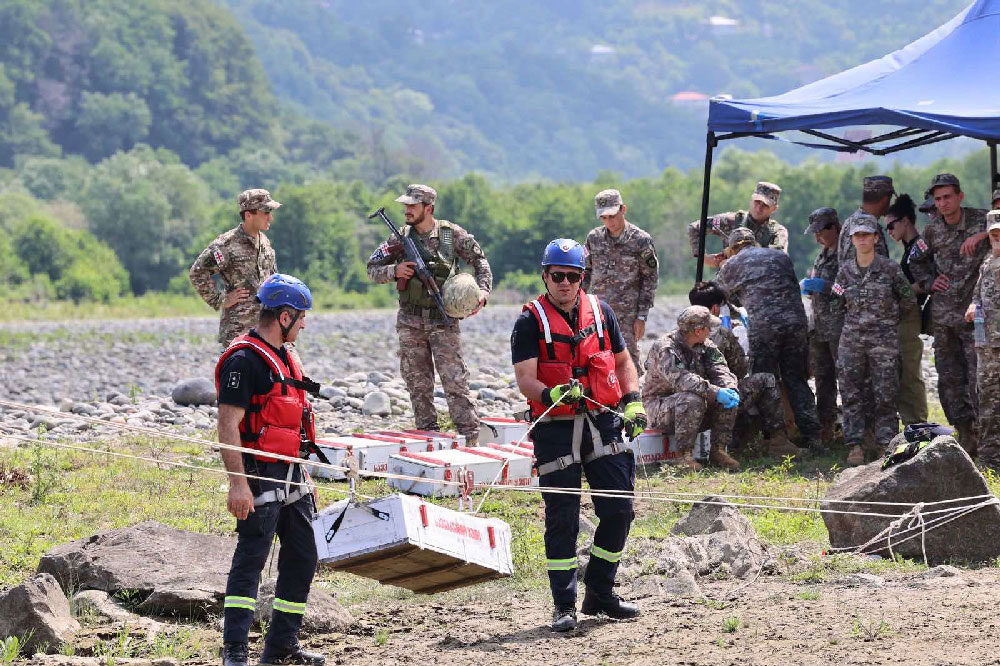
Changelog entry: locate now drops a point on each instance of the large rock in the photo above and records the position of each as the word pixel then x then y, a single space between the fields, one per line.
pixel 377 403
pixel 323 614
pixel 146 558
pixel 941 471
pixel 37 611
pixel 194 391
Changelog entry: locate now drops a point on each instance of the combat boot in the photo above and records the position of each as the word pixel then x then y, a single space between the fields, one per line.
pixel 719 457
pixel 686 461
pixel 967 437
pixel 827 433
pixel 234 654
pixel 779 446
pixel 564 618
pixel 856 456
pixel 609 603
pixel 292 655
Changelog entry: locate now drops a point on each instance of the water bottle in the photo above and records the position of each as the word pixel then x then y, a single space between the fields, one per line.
pixel 979 322
pixel 727 321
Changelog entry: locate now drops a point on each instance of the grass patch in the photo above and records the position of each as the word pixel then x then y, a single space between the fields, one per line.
pixel 731 624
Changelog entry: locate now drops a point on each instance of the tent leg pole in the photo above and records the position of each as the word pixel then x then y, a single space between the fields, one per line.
pixel 710 143
pixel 994 178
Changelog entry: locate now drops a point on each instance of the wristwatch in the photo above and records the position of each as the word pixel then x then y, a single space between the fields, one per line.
pixel 641 317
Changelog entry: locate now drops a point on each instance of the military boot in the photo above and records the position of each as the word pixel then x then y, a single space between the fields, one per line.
pixel 856 456
pixel 686 461
pixel 718 456
pixel 967 437
pixel 609 603
pixel 564 618
pixel 779 446
pixel 827 433
pixel 234 654
pixel 292 655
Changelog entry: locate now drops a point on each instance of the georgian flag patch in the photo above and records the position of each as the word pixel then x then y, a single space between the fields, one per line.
pixel 921 245
pixel 837 289
pixel 220 259
pixel 380 253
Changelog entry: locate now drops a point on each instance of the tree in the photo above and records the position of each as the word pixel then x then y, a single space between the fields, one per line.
pixel 109 123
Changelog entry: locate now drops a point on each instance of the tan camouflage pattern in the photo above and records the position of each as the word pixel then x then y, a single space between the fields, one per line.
pixel 256 199
pixel 680 387
pixel 878 184
pixel 624 273
pixel 240 260
pixel 824 339
pixel 954 349
pixel 767 192
pixel 417 193
pixel 826 322
pixel 845 248
pixel 986 294
pixel 607 202
pixel 382 269
pixel 868 357
pixel 988 380
pixel 423 347
pixel 759 392
pixel 696 316
pixel 769 233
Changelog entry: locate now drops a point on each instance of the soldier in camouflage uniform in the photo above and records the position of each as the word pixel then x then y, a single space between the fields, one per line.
pixel 824 339
pixel 766 231
pixel 948 271
pixel 986 296
pixel 622 269
pixel 759 392
pixel 876 197
pixel 873 292
pixel 426 340
pixel 243 259
pixel 763 281
pixel 689 388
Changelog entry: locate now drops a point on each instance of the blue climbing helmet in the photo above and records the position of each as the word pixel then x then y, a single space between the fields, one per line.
pixel 280 290
pixel 564 252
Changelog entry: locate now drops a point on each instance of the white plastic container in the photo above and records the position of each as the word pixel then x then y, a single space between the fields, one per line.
pixel 522 450
pixel 448 440
pixel 509 431
pixel 405 541
pixel 652 447
pixel 336 450
pixel 443 465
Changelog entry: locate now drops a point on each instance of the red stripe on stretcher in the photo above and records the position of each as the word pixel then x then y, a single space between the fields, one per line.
pixel 492 535
pixel 434 433
pixel 426 459
pixel 423 515
pixel 406 437
pixel 480 452
pixel 382 438
pixel 334 445
pixel 502 420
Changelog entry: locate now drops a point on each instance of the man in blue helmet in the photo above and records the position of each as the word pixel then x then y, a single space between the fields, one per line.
pixel 572 364
pixel 263 409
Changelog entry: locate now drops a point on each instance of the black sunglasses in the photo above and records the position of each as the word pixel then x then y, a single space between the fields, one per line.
pixel 559 276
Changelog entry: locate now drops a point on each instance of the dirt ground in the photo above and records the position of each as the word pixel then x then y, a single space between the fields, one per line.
pixel 908 619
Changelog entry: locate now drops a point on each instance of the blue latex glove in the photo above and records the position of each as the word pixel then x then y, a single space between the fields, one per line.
pixel 813 285
pixel 728 398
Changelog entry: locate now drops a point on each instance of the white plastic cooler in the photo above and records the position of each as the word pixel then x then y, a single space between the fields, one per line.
pixel 651 447
pixel 405 541
pixel 509 431
pixel 445 465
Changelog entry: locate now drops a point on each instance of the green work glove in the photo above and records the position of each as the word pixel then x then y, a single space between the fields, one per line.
pixel 563 394
pixel 635 419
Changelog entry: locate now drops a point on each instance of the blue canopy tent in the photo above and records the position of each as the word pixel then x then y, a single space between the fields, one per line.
pixel 942 86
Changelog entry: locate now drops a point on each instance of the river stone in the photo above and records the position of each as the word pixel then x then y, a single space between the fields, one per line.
pixel 941 471
pixel 330 392
pixel 194 391
pixel 377 403
pixel 38 611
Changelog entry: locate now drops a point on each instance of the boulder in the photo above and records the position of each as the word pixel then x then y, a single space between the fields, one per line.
pixel 377 403
pixel 194 391
pixel 941 471
pixel 323 614
pixel 100 603
pixel 195 603
pixel 146 558
pixel 37 611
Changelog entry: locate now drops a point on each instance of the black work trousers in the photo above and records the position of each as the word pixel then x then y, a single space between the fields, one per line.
pixel 297 561
pixel 562 511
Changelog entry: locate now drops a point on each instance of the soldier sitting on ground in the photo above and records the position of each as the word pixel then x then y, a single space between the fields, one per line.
pixel 689 388
pixel 759 392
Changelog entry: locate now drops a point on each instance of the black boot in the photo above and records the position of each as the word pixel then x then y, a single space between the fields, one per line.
pixel 234 654
pixel 608 603
pixel 293 655
pixel 564 618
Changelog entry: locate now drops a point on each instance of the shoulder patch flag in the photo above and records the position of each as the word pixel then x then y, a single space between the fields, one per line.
pixel 837 289
pixel 380 252
pixel 220 259
pixel 922 245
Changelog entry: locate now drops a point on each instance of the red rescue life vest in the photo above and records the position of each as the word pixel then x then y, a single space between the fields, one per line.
pixel 584 354
pixel 274 420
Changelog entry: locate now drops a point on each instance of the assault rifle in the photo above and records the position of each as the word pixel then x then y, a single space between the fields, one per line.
pixel 412 254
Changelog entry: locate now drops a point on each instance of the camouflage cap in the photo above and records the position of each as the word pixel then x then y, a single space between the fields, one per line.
pixel 878 185
pixel 256 200
pixel 928 206
pixel 821 218
pixel 992 220
pixel 767 193
pixel 996 195
pixel 695 316
pixel 741 236
pixel 608 202
pixel 943 179
pixel 417 193
pixel 865 223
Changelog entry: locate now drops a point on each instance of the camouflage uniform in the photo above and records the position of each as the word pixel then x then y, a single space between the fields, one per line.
pixel 954 350
pixel 763 281
pixel 425 340
pixel 845 248
pixel 622 271
pixel 825 338
pixel 987 295
pixel 868 358
pixel 680 387
pixel 768 233
pixel 759 393
pixel 240 260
